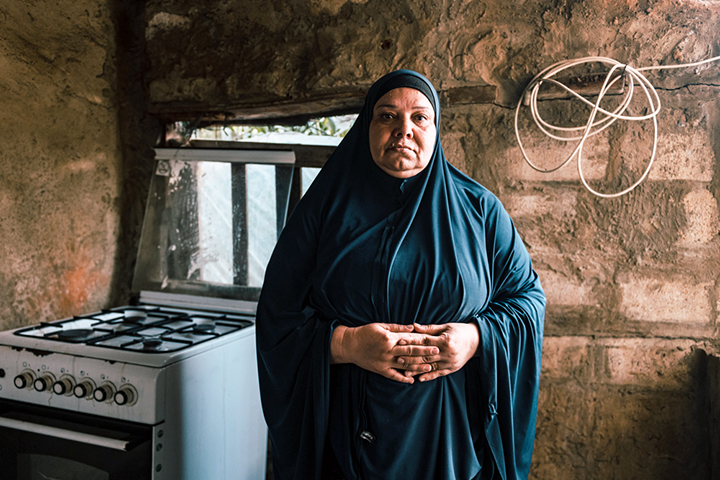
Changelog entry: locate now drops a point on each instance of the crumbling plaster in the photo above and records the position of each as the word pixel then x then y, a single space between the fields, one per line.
pixel 60 159
pixel 76 156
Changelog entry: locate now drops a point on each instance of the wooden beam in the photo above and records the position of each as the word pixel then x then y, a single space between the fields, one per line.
pixel 298 110
pixel 470 95
pixel 254 111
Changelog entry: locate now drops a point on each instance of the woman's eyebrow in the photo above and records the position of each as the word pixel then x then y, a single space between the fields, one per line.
pixel 392 105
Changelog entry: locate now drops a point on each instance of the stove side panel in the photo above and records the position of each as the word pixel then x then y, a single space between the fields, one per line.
pixel 214 425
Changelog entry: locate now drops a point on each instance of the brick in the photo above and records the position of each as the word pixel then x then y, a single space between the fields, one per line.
pixel 548 153
pixel 562 290
pixel 566 358
pixel 661 299
pixel 684 157
pixel 559 204
pixel 645 362
pixel 703 224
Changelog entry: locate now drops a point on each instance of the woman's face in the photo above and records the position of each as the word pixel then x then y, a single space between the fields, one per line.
pixel 402 132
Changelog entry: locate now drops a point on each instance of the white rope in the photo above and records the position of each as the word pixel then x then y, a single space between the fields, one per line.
pixel 631 78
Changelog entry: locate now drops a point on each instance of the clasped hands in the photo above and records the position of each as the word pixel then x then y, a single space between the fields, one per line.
pixel 405 353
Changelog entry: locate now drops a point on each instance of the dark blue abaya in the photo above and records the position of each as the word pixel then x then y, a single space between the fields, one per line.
pixel 363 247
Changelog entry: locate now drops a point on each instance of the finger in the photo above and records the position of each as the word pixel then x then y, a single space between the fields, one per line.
pixel 393 374
pixel 412 373
pixel 404 361
pixel 426 377
pixel 397 327
pixel 418 339
pixel 417 369
pixel 414 351
pixel 432 329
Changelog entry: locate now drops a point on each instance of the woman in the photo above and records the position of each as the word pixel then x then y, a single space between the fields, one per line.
pixel 399 329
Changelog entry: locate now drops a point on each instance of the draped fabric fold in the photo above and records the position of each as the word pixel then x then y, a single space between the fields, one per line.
pixel 364 247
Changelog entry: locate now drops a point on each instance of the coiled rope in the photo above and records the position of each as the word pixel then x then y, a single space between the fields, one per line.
pixel 599 118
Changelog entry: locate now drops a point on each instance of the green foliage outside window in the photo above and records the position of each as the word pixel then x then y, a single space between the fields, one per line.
pixel 325 127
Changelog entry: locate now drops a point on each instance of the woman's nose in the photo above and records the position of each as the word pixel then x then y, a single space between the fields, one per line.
pixel 404 128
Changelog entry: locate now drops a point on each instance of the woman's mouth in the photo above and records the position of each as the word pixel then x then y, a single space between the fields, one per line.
pixel 401 148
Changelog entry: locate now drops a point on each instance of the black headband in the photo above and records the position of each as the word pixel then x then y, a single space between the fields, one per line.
pixel 406 81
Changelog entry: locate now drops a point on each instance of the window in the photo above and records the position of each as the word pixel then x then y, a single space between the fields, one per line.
pixel 326 131
pixel 212 221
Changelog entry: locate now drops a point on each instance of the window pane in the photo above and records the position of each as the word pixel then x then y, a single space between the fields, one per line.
pixel 262 220
pixel 214 258
pixel 211 226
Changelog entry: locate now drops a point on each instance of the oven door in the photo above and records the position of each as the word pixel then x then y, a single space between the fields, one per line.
pixel 42 443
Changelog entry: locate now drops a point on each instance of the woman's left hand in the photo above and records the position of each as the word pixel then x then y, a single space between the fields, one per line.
pixel 457 343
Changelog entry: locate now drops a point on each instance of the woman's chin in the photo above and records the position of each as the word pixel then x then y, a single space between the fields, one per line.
pixel 401 168
pixel 402 172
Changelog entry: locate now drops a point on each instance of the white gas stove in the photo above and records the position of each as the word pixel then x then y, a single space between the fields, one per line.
pixel 167 388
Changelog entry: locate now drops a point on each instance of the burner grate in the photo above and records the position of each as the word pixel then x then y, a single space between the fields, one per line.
pixel 146 329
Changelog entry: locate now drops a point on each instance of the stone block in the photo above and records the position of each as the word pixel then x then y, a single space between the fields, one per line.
pixel 454 152
pixel 684 157
pixel 660 298
pixel 564 424
pixel 703 224
pixel 546 153
pixel 562 290
pixel 646 362
pixel 165 21
pixel 566 358
pixel 559 203
pixel 646 434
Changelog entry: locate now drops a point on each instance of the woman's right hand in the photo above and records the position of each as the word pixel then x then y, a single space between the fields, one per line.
pixel 374 348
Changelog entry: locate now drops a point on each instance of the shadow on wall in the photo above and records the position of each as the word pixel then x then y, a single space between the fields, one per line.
pixel 667 430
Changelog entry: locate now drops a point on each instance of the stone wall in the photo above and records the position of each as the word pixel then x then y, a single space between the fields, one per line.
pixel 76 157
pixel 60 163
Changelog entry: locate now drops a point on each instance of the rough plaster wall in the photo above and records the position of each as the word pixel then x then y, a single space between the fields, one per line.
pixel 59 160
pixel 633 283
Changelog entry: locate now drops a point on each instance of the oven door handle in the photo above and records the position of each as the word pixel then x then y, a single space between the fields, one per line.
pixel 86 438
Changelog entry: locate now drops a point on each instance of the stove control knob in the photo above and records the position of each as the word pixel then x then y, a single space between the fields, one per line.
pixel 64 386
pixel 84 389
pixel 105 392
pixel 44 382
pixel 126 395
pixel 25 379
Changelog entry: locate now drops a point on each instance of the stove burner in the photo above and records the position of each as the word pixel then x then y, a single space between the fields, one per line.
pixel 152 343
pixel 204 328
pixel 133 314
pixel 76 335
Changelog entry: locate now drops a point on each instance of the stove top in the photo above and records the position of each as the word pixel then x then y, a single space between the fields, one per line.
pixel 150 335
pixel 148 329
